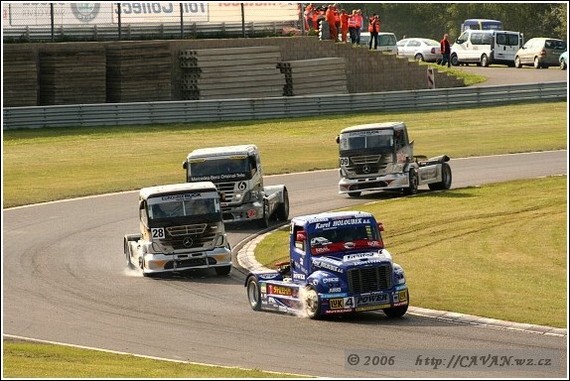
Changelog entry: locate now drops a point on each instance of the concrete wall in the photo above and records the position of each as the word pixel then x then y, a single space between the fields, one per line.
pixel 367 71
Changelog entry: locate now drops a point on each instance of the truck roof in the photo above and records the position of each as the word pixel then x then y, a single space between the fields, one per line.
pixel 147 192
pixel 302 220
pixel 244 149
pixel 373 126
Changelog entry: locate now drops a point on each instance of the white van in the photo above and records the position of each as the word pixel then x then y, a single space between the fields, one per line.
pixel 485 47
pixel 387 42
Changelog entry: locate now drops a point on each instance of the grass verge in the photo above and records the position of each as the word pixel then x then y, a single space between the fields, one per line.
pixel 497 251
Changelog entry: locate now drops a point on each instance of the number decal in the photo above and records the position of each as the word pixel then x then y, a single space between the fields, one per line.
pixel 157 233
pixel 344 161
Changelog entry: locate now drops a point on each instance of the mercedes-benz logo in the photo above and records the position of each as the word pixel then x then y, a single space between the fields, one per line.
pixel 366 168
pixel 187 242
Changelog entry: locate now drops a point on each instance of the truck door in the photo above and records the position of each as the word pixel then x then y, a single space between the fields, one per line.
pixel 300 261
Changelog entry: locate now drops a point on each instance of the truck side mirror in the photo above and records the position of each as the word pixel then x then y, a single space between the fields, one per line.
pixel 184 164
pixel 337 140
pixel 380 226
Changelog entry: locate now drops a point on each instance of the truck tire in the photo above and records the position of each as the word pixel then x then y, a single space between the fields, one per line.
pixel 282 212
pixel 253 294
pixel 445 179
pixel 127 248
pixel 396 312
pixel 223 270
pixel 312 303
pixel 354 194
pixel 413 181
pixel 264 221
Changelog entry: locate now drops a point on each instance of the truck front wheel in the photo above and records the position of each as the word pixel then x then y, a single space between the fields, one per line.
pixel 253 294
pixel 312 303
pixel 445 179
pixel 396 312
pixel 282 212
pixel 223 270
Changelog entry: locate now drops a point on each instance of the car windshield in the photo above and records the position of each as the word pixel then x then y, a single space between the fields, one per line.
pixel 386 40
pixel 380 140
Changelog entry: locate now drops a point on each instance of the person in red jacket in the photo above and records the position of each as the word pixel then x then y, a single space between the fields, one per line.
pixel 445 51
pixel 344 17
pixel 374 29
pixel 330 15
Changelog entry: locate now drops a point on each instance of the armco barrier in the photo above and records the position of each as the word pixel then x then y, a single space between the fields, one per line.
pixel 117 114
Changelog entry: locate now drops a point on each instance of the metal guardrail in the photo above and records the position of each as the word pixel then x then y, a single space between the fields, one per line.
pixel 142 113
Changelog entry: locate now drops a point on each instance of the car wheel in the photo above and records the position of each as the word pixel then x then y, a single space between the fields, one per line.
pixel 445 179
pixel 312 303
pixel 419 57
pixel 518 64
pixel 536 63
pixel 413 182
pixel 454 60
pixel 563 65
pixel 253 294
pixel 484 60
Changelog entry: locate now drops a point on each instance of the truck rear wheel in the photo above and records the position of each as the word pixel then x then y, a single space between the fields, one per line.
pixel 445 179
pixel 282 212
pixel 253 294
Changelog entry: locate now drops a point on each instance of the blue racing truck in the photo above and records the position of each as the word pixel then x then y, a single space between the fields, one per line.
pixel 337 264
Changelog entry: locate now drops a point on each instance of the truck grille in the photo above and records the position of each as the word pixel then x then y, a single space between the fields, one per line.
pixel 190 236
pixel 364 165
pixel 370 279
pixel 227 189
pixel 370 159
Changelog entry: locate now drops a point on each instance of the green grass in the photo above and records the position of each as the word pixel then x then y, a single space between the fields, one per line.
pixel 33 360
pixel 50 164
pixel 497 251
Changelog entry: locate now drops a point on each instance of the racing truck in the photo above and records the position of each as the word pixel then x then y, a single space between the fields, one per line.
pixel 237 172
pixel 181 229
pixel 379 156
pixel 337 264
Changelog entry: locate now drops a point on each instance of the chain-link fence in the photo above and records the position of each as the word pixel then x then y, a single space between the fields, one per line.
pixel 147 20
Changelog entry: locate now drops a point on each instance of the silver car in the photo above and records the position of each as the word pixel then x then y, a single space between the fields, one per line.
pixel 420 49
pixel 540 52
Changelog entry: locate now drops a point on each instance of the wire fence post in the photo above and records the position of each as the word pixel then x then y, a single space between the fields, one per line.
pixel 181 22
pixel 242 19
pixel 119 20
pixel 52 19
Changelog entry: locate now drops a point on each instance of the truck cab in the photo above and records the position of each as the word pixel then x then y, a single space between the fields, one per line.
pixel 237 173
pixel 338 264
pixel 380 156
pixel 181 229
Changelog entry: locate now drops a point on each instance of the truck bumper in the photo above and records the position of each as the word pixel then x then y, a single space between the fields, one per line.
pixel 161 263
pixel 245 212
pixel 372 184
pixel 366 302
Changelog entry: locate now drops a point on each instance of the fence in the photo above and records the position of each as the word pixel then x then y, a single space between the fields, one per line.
pixel 144 113
pixel 164 20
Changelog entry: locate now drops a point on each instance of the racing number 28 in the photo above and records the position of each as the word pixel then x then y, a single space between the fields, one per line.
pixel 157 233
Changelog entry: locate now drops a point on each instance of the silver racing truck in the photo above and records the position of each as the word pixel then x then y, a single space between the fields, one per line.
pixel 380 156
pixel 181 228
pixel 237 172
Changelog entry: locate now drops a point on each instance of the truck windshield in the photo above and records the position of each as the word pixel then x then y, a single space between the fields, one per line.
pixel 344 238
pixel 219 169
pixel 380 140
pixel 180 206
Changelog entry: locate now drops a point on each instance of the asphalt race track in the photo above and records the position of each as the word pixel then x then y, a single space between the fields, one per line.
pixel 65 280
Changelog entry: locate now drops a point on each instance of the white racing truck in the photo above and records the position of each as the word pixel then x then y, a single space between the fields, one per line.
pixel 379 156
pixel 237 172
pixel 181 228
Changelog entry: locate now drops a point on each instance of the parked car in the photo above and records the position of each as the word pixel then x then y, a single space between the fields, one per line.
pixel 420 49
pixel 486 47
pixel 563 60
pixel 540 52
pixel 387 42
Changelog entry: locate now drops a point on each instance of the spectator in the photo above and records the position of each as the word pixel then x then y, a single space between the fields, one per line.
pixel 352 26
pixel 374 29
pixel 331 19
pixel 309 11
pixel 445 51
pixel 359 25
pixel 344 17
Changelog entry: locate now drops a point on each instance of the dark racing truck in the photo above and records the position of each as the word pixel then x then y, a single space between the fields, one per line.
pixel 338 264
pixel 380 156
